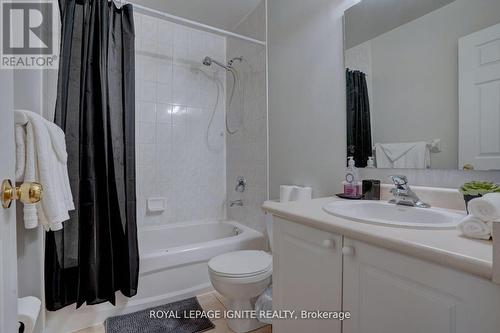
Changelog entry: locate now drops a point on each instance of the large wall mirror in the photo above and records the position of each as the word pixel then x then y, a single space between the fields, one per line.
pixel 423 83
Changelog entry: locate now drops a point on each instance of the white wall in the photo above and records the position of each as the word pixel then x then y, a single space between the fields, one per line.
pixel 223 14
pixel 176 160
pixel 307 122
pixel 371 18
pixel 254 24
pixel 414 71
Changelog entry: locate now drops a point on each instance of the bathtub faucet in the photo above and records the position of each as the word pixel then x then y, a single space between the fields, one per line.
pixel 238 203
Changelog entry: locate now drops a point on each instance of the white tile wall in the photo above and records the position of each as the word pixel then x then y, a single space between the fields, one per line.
pixel 176 157
pixel 247 149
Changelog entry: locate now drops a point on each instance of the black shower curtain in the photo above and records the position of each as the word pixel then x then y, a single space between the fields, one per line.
pixel 96 253
pixel 359 136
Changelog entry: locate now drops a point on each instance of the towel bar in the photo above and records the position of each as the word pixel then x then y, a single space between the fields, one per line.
pixel 434 146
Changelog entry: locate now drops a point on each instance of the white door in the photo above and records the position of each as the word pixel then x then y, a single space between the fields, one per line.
pixel 307 275
pixel 8 252
pixel 479 85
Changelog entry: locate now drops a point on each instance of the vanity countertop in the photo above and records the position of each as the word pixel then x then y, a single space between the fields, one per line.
pixel 445 247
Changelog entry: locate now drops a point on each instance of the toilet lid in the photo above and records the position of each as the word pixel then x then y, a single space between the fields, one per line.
pixel 241 263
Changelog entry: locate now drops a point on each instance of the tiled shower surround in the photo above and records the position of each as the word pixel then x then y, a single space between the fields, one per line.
pixel 177 159
pixel 247 149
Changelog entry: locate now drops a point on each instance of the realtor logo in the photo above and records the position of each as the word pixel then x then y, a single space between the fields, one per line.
pixel 29 37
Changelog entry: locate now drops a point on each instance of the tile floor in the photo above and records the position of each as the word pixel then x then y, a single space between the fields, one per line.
pixel 208 302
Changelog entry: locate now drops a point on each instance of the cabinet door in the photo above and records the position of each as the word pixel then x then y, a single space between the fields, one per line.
pixel 307 275
pixel 387 292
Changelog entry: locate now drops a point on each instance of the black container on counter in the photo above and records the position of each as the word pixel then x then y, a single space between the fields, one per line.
pixel 371 189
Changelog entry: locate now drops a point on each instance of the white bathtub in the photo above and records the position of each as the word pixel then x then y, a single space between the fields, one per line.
pixel 173 266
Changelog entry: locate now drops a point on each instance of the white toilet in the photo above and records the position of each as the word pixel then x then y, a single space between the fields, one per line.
pixel 240 277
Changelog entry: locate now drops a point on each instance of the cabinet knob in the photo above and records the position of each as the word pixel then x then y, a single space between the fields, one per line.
pixel 329 243
pixel 348 251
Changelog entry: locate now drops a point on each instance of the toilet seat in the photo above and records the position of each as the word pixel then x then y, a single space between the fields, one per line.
pixel 241 266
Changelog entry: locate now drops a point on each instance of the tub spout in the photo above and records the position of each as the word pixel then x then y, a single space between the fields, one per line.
pixel 238 203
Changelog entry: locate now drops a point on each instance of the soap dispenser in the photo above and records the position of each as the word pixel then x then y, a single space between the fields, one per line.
pixel 370 163
pixel 351 186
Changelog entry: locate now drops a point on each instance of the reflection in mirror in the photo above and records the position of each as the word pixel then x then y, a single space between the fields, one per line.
pixel 423 83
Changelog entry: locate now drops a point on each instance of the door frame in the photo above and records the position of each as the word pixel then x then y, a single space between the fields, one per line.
pixel 8 249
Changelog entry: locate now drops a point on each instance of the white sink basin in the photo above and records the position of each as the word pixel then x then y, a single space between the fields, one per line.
pixel 393 215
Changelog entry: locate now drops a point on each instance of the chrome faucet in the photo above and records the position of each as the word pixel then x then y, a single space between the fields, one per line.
pixel 404 195
pixel 238 203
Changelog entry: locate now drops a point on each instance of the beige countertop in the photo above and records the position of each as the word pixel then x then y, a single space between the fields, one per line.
pixel 445 247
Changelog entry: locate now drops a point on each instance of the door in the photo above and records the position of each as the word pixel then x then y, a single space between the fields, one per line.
pixel 387 292
pixel 8 252
pixel 479 94
pixel 307 275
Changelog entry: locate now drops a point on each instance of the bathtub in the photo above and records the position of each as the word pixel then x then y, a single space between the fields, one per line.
pixel 173 266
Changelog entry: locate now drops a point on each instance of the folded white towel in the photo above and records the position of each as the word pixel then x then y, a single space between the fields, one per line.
pixel 45 163
pixel 474 227
pixel 486 208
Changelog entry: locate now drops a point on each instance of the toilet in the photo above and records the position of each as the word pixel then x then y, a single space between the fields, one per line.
pixel 240 277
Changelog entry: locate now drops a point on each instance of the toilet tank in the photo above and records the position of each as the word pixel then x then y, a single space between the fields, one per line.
pixel 269 229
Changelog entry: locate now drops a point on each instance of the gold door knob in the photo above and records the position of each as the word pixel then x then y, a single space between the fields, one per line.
pixel 28 193
pixel 468 167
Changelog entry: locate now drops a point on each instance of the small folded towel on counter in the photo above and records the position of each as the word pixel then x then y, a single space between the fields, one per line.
pixel 474 227
pixel 487 208
pixel 409 155
pixel 45 162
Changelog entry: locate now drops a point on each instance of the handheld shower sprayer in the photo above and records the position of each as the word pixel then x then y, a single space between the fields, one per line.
pixel 208 61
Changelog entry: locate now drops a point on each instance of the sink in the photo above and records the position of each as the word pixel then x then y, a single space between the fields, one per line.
pixel 377 212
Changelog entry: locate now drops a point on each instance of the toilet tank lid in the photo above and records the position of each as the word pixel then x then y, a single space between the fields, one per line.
pixel 241 263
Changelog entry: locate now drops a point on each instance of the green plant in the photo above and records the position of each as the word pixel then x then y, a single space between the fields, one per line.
pixel 479 188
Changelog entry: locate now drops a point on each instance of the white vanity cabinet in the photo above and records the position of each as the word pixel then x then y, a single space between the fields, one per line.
pixel 307 275
pixel 385 291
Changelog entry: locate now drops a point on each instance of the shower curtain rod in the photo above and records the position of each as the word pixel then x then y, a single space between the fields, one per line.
pixel 177 19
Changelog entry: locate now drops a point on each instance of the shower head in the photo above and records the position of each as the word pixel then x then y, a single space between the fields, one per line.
pixel 207 61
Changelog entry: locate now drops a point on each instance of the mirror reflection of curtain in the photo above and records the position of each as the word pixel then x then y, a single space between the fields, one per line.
pixel 96 254
pixel 359 137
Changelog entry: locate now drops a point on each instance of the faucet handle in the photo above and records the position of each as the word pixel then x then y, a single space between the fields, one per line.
pixel 241 184
pixel 399 180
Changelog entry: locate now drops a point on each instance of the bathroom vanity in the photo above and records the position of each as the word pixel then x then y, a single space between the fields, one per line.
pixel 391 279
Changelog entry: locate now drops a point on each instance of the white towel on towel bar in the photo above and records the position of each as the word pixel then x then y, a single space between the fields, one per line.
pixel 46 163
pixel 411 155
pixel 20 151
pixel 25 168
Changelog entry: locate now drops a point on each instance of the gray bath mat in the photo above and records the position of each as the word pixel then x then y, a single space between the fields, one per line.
pixel 140 322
